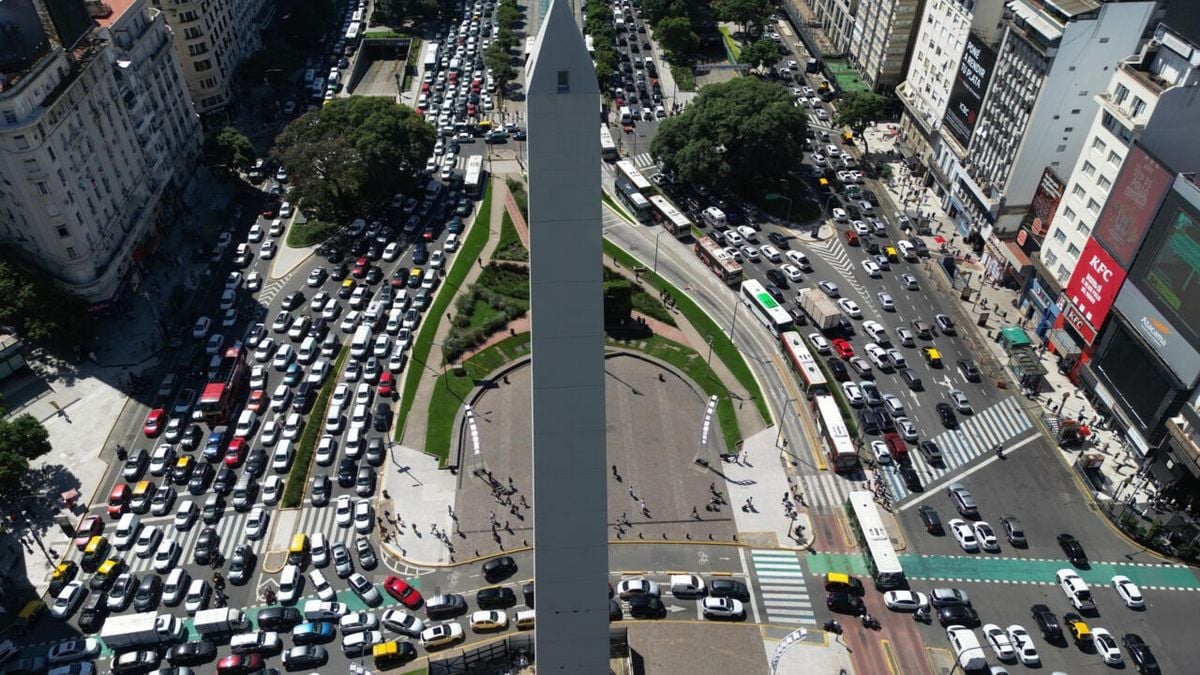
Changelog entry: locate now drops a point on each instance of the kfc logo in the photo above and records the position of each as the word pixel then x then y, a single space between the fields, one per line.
pixel 1099 267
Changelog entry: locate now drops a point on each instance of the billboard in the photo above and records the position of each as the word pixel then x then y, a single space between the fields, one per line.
pixel 1167 269
pixel 1173 348
pixel 1041 210
pixel 1094 284
pixel 970 84
pixel 1131 205
pixel 22 39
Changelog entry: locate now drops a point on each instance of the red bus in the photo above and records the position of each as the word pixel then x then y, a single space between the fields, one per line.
pixel 838 444
pixel 803 363
pixel 219 397
pixel 719 261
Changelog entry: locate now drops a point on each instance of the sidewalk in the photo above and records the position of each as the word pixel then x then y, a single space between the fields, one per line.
pixel 760 475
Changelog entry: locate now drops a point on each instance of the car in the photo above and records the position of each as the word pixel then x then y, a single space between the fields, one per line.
pixel 402 622
pixel 961 404
pixel 321 585
pixel 1076 590
pixel 1106 646
pixel 485 621
pixel 999 641
pixel 121 593
pixel 845 603
pixel 364 516
pixel 1130 594
pixel 850 308
pixel 881 452
pixel 819 343
pixel 958 615
pixel 364 589
pixel 155 421
pixel 964 502
pixel 185 515
pixel 344 510
pixel 853 394
pixel 1139 652
pixel 1047 622
pixel 723 608
pixel 1013 531
pixel 147 541
pixel 241 564
pixel 1022 643
pixel 969 370
pixel 944 324
pixel 986 536
pixel 359 644
pixel 72 650
pixel 279 618
pixel 256 523
pixel 965 535
pixel 842 348
pixel 947 416
pixel 907 430
pixel 871 268
pixel 357 622
pixel 629 588
pixel 860 366
pixel 93 613
pixel 441 635
pixel 931 519
pixel 214 344
pixel 201 328
pixel 905 601
pixel 498 569
pixel 403 592
pixel 197 596
pixel 1074 550
pixel 135 661
pixel 829 288
pixel 932 454
pixel 304 656
pixel 206 544
pixel 194 654
pixel 68 599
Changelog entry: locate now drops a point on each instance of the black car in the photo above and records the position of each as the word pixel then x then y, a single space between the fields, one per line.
pixel 909 475
pixel 498 569
pixel 614 610
pixel 192 653
pixel 527 593
pixel 208 543
pixel 241 564
pixel 932 521
pixel 929 450
pixel 321 490
pixel 884 420
pixel 293 300
pixel 1047 622
pixel 969 370
pixel 279 618
pixel 201 477
pixel 947 416
pixel 224 481
pixel 646 607
pixel 93 613
pixel 961 615
pixel 347 469
pixel 374 275
pixel 180 473
pixel 148 593
pixel 497 597
pixel 845 603
pixel 912 379
pixel 256 462
pixel 776 277
pixel 728 588
pixel 1139 653
pixel 870 424
pixel 383 417
pixel 1014 531
pixel 214 508
pixel 838 368
pixel 779 240
pixel 1074 550
pixel 445 606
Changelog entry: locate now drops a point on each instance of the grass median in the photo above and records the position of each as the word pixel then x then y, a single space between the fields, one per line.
pixel 472 247
pixel 297 482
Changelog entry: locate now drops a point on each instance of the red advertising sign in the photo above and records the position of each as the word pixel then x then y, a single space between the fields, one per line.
pixel 1080 324
pixel 1094 284
pixel 1131 205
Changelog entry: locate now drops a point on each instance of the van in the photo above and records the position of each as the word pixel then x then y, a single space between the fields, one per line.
pixel 244 492
pixel 687 586
pixel 167 386
pixel 298 549
pixel 308 350
pixel 714 217
pixel 967 649
pixel 127 530
pixel 524 619
pixel 626 115
pixel 907 250
pixel 362 342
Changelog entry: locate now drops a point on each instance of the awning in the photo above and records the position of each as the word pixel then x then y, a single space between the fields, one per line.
pixel 1063 344
pixel 1025 362
pixel 1018 257
pixel 1015 336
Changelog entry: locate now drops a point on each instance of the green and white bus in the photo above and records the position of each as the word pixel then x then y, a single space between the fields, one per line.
pixel 766 308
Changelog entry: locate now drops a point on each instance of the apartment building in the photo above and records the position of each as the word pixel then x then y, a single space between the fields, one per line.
pixel 882 39
pixel 837 20
pixel 98 140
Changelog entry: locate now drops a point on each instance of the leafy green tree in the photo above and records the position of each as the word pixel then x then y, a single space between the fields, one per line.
pixel 859 110
pixel 676 35
pixel 749 14
pixel 736 135
pixel 21 439
pixel 618 302
pixel 657 10
pixel 229 148
pixel 507 16
pixel 760 54
pixel 354 152
pixel 497 58
pixel 41 312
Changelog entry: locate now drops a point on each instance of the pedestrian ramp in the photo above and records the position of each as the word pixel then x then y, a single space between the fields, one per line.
pixel 782 584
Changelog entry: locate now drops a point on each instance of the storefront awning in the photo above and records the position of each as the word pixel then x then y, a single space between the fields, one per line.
pixel 1015 337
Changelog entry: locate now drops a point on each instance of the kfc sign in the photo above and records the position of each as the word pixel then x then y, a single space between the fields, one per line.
pixel 1094 285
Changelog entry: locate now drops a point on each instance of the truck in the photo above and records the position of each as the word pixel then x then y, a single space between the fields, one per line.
pixel 820 308
pixel 141 630
pixel 221 620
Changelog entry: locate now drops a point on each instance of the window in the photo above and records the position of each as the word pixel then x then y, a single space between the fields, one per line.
pixel 10 117
pixel 21 142
pixel 564 81
pixel 1093 206
pixel 1120 94
pixel 1098 145
pixel 1063 273
pixel 1059 235
pixel 1114 158
pixel 204 65
pixel 1061 148
pixel 1069 213
pixel 1051 258
pixel 63 231
pixel 71 253
pixel 1078 191
pixel 1104 183
pixel 1083 229
pixel 1089 169
pixel 1073 251
pixel 1137 107
pixel 42 188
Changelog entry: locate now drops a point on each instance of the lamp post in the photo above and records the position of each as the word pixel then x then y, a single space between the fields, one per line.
pixel 708 359
pixel 782 415
pixel 733 324
pixel 654 270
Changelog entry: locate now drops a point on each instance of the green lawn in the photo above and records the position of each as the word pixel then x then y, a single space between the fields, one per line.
pixel 302 235
pixel 684 79
pixel 510 246
pixel 731 45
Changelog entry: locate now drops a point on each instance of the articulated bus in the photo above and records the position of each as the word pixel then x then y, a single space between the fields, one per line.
pixel 633 199
pixel 718 260
pixel 608 149
pixel 803 362
pixel 873 539
pixel 839 445
pixel 765 308
pixel 629 172
pixel 669 217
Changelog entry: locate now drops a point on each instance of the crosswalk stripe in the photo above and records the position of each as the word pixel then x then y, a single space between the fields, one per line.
pixel 782 583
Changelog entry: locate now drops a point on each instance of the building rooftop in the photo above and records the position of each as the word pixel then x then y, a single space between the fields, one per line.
pixel 115 10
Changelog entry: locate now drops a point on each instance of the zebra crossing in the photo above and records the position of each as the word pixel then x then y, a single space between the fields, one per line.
pixel 643 160
pixel 781 580
pixel 269 291
pixel 975 436
pixel 826 488
pixel 832 252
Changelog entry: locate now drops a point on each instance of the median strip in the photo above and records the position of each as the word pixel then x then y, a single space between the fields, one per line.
pixel 293 491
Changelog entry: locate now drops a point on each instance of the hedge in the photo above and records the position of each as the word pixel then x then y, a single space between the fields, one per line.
pixel 297 482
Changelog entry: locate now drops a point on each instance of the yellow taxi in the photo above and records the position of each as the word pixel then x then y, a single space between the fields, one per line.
pixel 932 356
pixel 298 549
pixel 107 573
pixel 63 574
pixel 837 581
pixel 93 554
pixel 393 653
pixel 27 616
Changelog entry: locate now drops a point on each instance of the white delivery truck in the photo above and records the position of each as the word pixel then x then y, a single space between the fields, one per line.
pixel 221 620
pixel 141 630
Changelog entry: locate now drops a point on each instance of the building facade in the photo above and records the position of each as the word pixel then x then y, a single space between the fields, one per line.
pixel 837 20
pixel 98 140
pixel 882 40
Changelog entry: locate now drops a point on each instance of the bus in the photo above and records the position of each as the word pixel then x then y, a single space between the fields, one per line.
pixel 873 538
pixel 352 33
pixel 633 199
pixel 718 260
pixel 591 45
pixel 802 361
pixel 222 393
pixel 473 179
pixel 530 43
pixel 430 58
pixel 628 171
pixel 839 445
pixel 357 16
pixel 608 149
pixel 669 217
pixel 764 306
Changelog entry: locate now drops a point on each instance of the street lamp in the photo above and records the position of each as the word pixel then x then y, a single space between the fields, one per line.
pixel 782 415
pixel 733 324
pixel 654 271
pixel 708 359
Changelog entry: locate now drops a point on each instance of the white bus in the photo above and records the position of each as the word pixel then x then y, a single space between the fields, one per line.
pixel 627 170
pixel 352 33
pixel 873 538
pixel 635 200
pixel 608 149
pixel 802 361
pixel 764 306
pixel 840 447
pixel 669 217
pixel 430 57
pixel 473 178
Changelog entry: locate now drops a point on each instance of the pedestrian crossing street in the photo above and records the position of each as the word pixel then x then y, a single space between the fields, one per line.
pixel 976 435
pixel 781 580
pixel 826 488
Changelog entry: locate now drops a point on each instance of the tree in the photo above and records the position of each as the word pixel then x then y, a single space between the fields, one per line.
pixel 507 16
pixel 745 13
pixel 656 10
pixel 229 148
pixel 42 312
pixel 859 110
pixel 354 152
pixel 737 135
pixel 676 35
pixel 760 54
pixel 618 302
pixel 498 60
pixel 21 439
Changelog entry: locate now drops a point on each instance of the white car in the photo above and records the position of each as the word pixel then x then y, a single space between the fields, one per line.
pixel 319 610
pixel 350 321
pixel 629 588
pixel 829 288
pixel 861 228
pixel 881 452
pixel 283 357
pixel 960 401
pixel 850 308
pixel 853 394
pixel 291 584
pixel 893 405
pixel 326 450
pixel 319 300
pixel 321 585
pixel 886 303
pixel 437 260
pixel 363 394
pixel 264 350
pixel 292 426
pixel 258 377
pixel 357 622
pixel 1106 646
pixel 147 541
pixel 964 534
pixel 270 433
pixel 167 556
pixel 161 460
pixel 792 273
pixel 344 510
pixel 1130 594
pixel 770 253
pixel 74 650
pixel 253 281
pixel 214 343
pixel 819 343
pixel 907 430
pixel 256 523
pixel 441 635
pixel 272 490
pixel 201 328
pixel 905 601
pixel 392 251
pixel 1022 642
pixel 1076 590
pixel 175 586
pixel 68 599
pixel 999 641
pixel 341 394
pixel 750 253
pixel 838 214
pixel 871 268
pixel 399 621
pixel 364 516
pixel 986 536
pixel 197 596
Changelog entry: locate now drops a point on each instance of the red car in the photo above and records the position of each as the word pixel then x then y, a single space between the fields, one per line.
pixel 842 348
pixel 90 527
pixel 154 422
pixel 387 384
pixel 258 399
pixel 400 590
pixel 360 268
pixel 239 663
pixel 270 210
pixel 235 454
pixel 118 500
